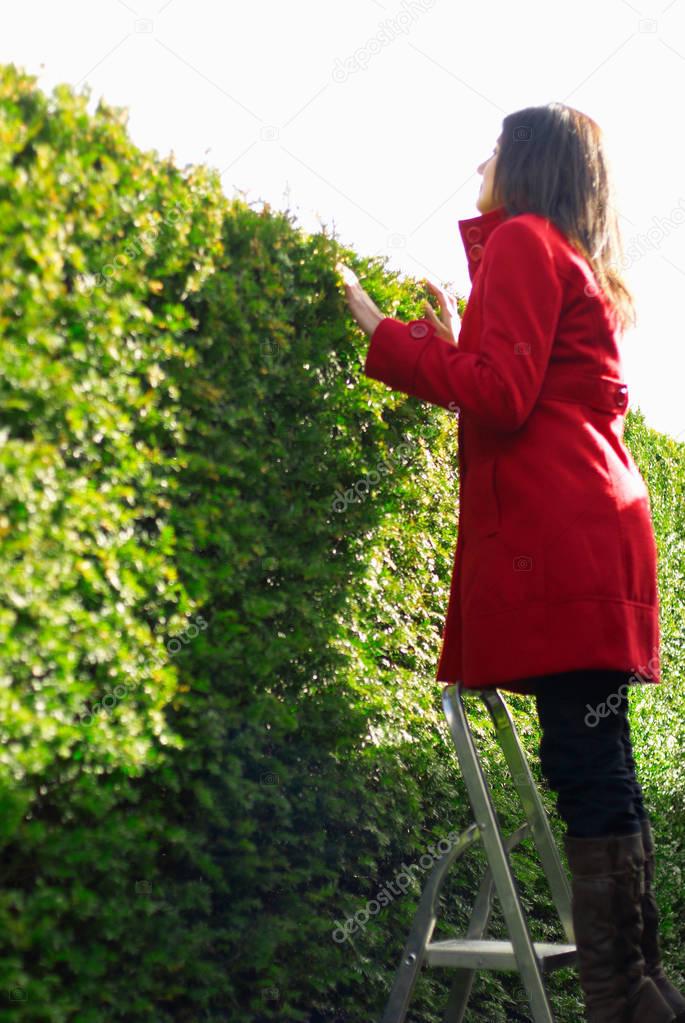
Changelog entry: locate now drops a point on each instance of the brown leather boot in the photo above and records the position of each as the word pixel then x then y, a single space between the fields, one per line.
pixel 607 920
pixel 650 936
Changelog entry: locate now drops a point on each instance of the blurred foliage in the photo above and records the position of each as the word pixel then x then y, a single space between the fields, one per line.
pixel 225 561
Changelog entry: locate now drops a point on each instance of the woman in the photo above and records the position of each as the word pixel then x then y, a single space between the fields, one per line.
pixel 554 588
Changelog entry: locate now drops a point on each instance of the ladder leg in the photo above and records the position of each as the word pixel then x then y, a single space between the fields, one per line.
pixel 460 990
pixel 505 882
pixel 414 951
pixel 532 807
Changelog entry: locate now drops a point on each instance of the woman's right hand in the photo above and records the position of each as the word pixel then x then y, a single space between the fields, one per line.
pixel 449 314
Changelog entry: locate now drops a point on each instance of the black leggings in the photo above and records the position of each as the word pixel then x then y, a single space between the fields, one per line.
pixel 586 753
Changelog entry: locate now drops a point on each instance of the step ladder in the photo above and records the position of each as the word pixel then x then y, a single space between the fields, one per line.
pixel 474 952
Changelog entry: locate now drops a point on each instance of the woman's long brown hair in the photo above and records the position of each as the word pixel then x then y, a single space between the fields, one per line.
pixel 552 162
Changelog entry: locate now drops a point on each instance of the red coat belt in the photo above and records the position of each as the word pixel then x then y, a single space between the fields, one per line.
pixel 608 394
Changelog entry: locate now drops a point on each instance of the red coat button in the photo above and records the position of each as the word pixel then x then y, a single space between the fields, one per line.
pixel 418 330
pixel 476 251
pixel 472 234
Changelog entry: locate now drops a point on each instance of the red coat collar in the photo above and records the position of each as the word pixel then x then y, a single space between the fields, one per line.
pixel 475 232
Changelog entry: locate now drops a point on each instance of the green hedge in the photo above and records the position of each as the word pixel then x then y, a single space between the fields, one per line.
pixel 224 569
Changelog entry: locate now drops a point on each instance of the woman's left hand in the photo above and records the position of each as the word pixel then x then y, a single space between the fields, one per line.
pixel 449 314
pixel 362 306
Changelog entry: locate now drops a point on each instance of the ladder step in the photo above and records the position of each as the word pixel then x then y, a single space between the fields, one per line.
pixel 495 955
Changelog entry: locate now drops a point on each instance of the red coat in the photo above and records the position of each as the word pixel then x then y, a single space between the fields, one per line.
pixel 556 562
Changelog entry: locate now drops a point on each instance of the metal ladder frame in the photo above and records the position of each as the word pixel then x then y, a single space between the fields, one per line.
pixel 531 959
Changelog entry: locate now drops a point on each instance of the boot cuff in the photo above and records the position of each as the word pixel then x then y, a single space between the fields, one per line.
pixel 607 854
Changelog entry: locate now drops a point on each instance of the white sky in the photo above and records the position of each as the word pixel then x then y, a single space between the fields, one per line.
pixel 371 116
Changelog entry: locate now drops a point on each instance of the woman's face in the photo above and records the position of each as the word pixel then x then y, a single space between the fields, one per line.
pixel 485 201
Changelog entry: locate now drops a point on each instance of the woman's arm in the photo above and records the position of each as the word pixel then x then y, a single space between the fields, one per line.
pixel 521 301
pixel 368 315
